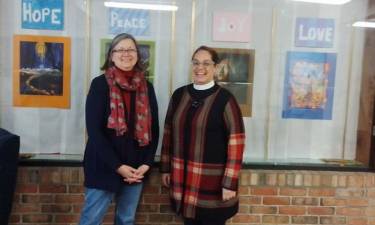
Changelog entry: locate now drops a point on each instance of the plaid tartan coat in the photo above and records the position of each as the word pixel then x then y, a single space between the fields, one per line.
pixel 202 150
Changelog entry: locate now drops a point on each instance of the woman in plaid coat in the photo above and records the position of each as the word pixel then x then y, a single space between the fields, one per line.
pixel 202 148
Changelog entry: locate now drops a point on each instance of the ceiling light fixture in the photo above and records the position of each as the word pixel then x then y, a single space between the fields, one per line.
pixel 328 2
pixel 141 6
pixel 366 24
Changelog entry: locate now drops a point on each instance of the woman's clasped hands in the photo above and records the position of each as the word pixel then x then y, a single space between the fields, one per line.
pixel 132 175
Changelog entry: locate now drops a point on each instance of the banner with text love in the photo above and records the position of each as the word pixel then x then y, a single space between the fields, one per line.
pixel 314 32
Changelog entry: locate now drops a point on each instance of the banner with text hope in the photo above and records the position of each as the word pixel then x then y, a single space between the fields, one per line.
pixel 314 32
pixel 43 14
pixel 135 22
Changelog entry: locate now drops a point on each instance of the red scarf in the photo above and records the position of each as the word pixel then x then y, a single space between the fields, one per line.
pixel 117 80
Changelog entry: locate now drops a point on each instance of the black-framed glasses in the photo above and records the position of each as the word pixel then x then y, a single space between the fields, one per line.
pixel 205 64
pixel 123 51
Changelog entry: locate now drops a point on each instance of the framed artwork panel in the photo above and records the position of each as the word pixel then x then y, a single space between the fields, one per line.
pixel 41 71
pixel 309 85
pixel 235 72
pixel 243 94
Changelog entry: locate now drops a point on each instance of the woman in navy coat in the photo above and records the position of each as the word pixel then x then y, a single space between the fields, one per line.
pixel 123 132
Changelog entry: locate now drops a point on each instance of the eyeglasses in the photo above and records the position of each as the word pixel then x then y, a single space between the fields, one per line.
pixel 123 51
pixel 205 64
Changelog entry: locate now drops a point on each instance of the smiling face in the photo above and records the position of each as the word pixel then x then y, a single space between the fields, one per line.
pixel 203 67
pixel 124 55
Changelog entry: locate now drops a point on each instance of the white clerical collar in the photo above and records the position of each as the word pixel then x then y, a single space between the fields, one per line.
pixel 201 87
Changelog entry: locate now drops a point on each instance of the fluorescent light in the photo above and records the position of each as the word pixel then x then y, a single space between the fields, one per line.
pixel 141 6
pixel 364 24
pixel 329 2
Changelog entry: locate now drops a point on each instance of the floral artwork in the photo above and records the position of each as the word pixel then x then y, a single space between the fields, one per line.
pixel 309 85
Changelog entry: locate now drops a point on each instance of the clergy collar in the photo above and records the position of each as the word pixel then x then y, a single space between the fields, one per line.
pixel 201 87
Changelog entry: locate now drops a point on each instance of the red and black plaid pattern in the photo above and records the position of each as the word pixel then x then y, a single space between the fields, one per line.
pixel 196 183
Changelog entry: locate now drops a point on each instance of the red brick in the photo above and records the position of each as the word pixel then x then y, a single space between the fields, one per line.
pixel 77 176
pixel 243 209
pixel 164 190
pixel 71 198
pixel 333 202
pixel 22 175
pixel 67 218
pixel 65 176
pixel 151 190
pixel 50 176
pixel 357 202
pixel 293 191
pixel 52 188
pixel 156 199
pixel 140 218
pixel 350 211
pixel 245 218
pixel 109 218
pixel 355 181
pixel 160 218
pixel 14 218
pixel 56 208
pixel 77 208
pixel 275 219
pixel 357 221
pixel 148 208
pixel 305 201
pixel 304 219
pixel 350 192
pixel 276 200
pixel 76 189
pixel 263 191
pixel 332 220
pixel 371 193
pixel 369 181
pixel 263 210
pixel 26 188
pixel 33 176
pixel 353 205
pixel 371 221
pixel 292 210
pixel 252 200
pixel 242 190
pixel 370 211
pixel 326 180
pixel 40 198
pixel 321 210
pixel 25 208
pixel 37 218
pixel 322 192
pixel 154 180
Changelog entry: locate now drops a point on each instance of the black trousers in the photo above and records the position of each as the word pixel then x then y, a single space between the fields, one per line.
pixel 188 221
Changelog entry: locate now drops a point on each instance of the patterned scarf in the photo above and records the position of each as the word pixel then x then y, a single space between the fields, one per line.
pixel 116 120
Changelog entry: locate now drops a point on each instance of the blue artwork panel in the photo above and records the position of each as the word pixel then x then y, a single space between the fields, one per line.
pixel 43 14
pixel 135 22
pixel 309 85
pixel 314 32
pixel 41 68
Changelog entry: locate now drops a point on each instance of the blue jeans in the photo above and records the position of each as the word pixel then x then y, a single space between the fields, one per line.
pixel 97 202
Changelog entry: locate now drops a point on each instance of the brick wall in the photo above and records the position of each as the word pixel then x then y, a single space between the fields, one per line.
pixel 54 195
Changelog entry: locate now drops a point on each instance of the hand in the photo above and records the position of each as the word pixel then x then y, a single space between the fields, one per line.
pixel 228 194
pixel 129 174
pixel 166 179
pixel 142 170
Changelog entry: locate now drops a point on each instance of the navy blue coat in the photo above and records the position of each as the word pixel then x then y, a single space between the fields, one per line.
pixel 105 152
